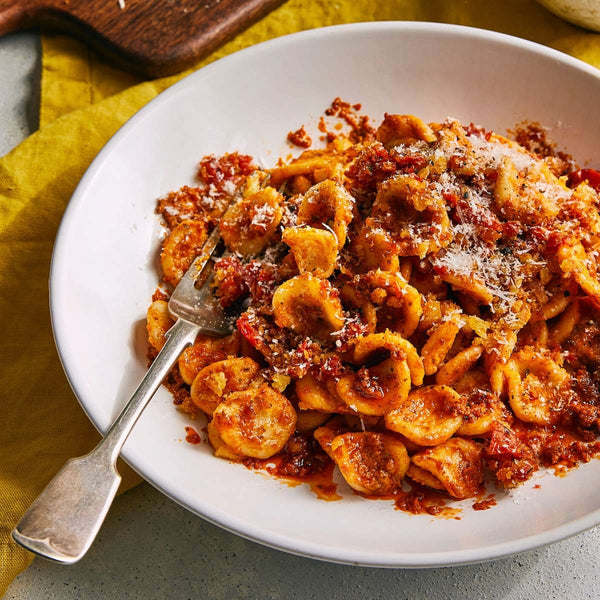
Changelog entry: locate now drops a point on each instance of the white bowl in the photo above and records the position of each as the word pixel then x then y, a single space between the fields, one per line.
pixel 104 267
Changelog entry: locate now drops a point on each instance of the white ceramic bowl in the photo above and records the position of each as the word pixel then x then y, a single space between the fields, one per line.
pixel 104 267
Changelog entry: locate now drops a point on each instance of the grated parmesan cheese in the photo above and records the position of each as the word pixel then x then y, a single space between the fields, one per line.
pixel 263 216
pixel 491 154
pixel 468 256
pixel 553 192
pixel 229 187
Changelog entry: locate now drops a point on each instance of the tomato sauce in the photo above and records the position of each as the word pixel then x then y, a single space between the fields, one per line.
pixel 486 503
pixel 192 436
pixel 217 171
pixel 487 239
pixel 590 176
pixel 419 500
pixel 301 461
pixel 299 138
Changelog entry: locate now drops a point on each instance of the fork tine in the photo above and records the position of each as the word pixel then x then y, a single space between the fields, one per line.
pixel 193 299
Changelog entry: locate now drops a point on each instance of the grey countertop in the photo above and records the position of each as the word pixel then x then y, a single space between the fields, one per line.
pixel 152 548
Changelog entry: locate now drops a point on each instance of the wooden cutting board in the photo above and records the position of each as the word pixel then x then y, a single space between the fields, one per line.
pixel 149 37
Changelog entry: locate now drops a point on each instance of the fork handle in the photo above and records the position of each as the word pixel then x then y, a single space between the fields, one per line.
pixel 63 521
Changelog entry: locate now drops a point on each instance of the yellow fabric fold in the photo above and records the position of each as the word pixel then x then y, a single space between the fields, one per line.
pixel 74 76
pixel 83 102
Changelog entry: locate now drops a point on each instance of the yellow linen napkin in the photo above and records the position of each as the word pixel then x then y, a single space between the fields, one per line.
pixel 83 102
pixel 75 77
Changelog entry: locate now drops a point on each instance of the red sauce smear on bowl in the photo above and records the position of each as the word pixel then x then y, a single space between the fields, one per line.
pixel 486 503
pixel 419 500
pixel 301 461
pixel 192 436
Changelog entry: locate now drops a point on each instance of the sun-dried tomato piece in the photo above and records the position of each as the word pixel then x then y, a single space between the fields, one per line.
pixel 260 279
pixel 300 138
pixel 504 444
pixel 367 385
pixel 591 176
pixel 373 165
pixel 218 171
pixel 229 279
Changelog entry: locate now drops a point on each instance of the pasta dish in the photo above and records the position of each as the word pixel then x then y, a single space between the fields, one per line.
pixel 419 304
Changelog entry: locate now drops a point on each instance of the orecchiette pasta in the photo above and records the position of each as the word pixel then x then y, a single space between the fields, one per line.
pixel 465 282
pixel 328 432
pixel 316 166
pixel 158 322
pixel 316 396
pixel 248 226
pixel 399 304
pixel 424 477
pixel 352 298
pixel 206 350
pixel 221 449
pixel 181 247
pixel 402 129
pixel 327 205
pixel 309 420
pixel 457 465
pixel 555 305
pixel 372 463
pixel 536 386
pixel 438 345
pixel 255 422
pixel 413 214
pixel 565 323
pixel 309 306
pixel 585 270
pixel 375 390
pixel 315 250
pixel 429 416
pixel 484 409
pixel 457 366
pixel 375 250
pixel 414 302
pixel 214 382
pixel 366 347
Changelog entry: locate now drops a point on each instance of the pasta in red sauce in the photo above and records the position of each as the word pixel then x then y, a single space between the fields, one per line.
pixel 417 302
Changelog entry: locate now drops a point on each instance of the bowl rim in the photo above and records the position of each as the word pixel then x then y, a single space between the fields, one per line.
pixel 212 513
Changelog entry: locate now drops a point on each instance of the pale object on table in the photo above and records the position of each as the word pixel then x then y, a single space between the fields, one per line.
pixel 585 13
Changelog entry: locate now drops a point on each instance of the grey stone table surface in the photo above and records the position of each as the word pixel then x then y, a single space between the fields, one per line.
pixel 152 548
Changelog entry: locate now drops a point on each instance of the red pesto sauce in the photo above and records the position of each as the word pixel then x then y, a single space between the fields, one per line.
pixel 301 461
pixel 192 436
pixel 486 503
pixel 321 482
pixel 419 500
pixel 315 468
pixel 300 138
pixel 572 449
pixel 558 447
pixel 591 176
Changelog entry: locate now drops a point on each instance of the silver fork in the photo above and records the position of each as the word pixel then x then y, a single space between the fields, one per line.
pixel 63 521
